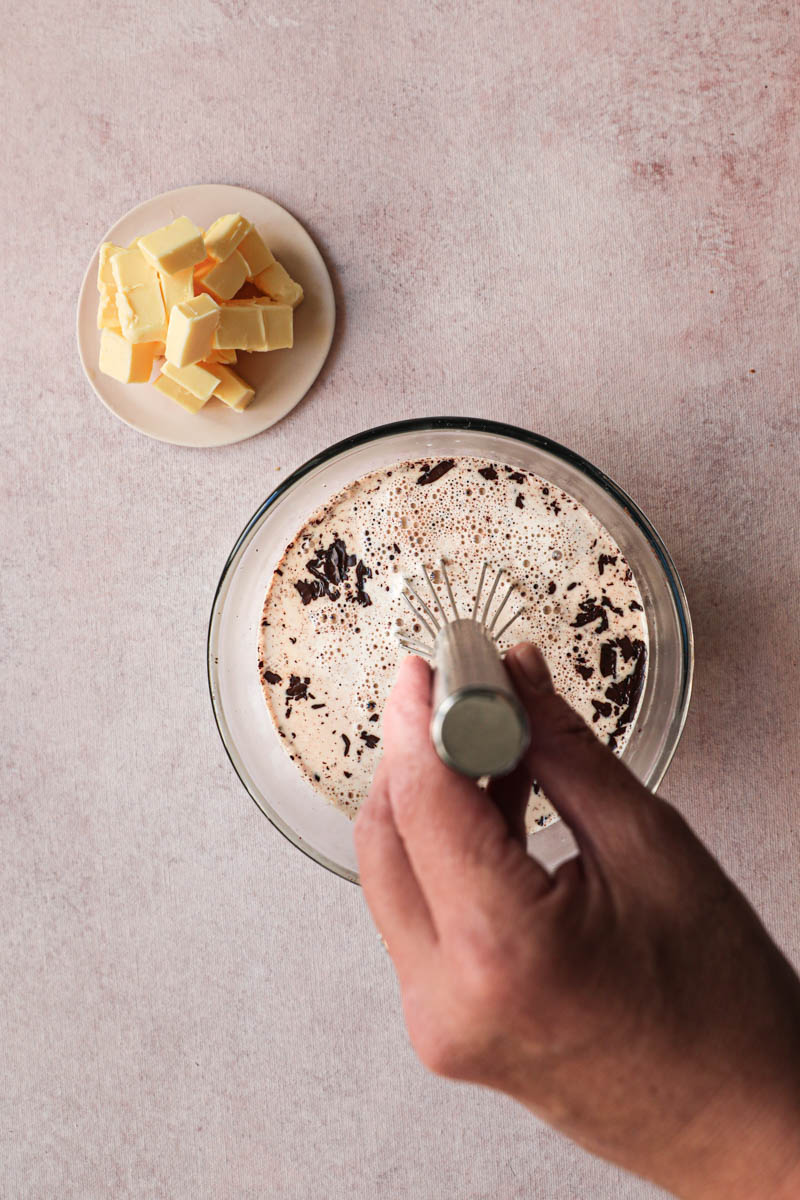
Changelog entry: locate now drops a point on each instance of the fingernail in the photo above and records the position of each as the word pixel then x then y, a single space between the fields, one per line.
pixel 531 665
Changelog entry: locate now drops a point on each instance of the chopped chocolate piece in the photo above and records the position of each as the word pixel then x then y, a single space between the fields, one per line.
pixel 635 606
pixel 591 611
pixel 298 688
pixel 601 709
pixel 395 547
pixel 375 717
pixel 347 774
pixel 371 739
pixel 293 641
pixel 583 671
pixel 551 587
pixel 431 474
pixel 278 571
pixel 288 712
pixel 272 676
pixel 606 560
pixel 516 476
pixel 329 568
pixel 360 595
pixel 318 705
pixel 572 585
pixel 607 603
pixel 346 741
pixel 626 647
pixel 520 500
pixel 608 659
pixel 488 472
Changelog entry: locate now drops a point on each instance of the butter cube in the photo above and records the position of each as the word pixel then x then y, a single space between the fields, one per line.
pixel 177 288
pixel 279 285
pixel 219 356
pixel 278 325
pixel 124 361
pixel 195 379
pixel 230 389
pixel 105 278
pixel 168 387
pixel 278 321
pixel 175 247
pixel 256 253
pixel 223 237
pixel 191 327
pixel 241 327
pixel 131 269
pixel 223 279
pixel 107 315
pixel 141 313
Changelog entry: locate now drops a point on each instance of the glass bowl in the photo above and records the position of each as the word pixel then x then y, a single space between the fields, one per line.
pixel 247 732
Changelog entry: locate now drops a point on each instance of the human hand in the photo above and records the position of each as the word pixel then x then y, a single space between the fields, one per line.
pixel 632 999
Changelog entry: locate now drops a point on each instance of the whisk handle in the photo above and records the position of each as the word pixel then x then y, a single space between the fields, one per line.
pixel 479 726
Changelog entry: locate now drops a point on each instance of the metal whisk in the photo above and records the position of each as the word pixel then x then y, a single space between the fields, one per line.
pixel 479 726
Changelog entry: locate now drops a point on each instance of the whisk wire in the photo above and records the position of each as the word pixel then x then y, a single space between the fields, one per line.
pixel 490 597
pixel 446 577
pixel 484 569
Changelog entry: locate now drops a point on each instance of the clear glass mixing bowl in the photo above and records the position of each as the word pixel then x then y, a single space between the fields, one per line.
pixel 253 746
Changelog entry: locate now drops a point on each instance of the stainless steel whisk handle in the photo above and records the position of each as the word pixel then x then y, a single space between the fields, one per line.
pixel 479 726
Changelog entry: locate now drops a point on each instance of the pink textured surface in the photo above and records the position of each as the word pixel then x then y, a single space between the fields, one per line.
pixel 578 217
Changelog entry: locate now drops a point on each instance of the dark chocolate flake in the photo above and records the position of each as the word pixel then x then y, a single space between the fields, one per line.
pixel 517 476
pixel 371 739
pixel 297 689
pixel 431 474
pixel 346 741
pixel 608 659
pixel 591 611
pixel 520 500
pixel 606 560
pixel 488 472
pixel 601 709
pixel 271 676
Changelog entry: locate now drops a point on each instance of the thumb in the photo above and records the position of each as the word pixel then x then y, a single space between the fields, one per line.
pixel 584 780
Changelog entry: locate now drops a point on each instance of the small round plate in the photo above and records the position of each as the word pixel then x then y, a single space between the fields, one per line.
pixel 280 378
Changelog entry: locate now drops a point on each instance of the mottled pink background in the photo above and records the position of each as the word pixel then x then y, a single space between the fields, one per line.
pixel 579 217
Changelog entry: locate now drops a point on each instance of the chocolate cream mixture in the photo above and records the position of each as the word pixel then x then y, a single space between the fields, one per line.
pixel 327 650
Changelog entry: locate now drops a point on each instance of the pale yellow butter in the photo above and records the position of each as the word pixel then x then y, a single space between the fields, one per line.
pixel 174 247
pixel 223 279
pixel 219 356
pixel 223 237
pixel 241 327
pixel 105 276
pixel 256 253
pixel 141 314
pixel 177 288
pixel 131 269
pixel 125 361
pixel 196 378
pixel 107 315
pixel 231 389
pixel 191 327
pixel 278 321
pixel 168 387
pixel 278 283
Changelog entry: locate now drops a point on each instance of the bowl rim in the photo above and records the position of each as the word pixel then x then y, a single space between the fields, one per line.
pixel 479 425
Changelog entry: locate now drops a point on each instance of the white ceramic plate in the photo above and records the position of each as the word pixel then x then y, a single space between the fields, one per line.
pixel 281 378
